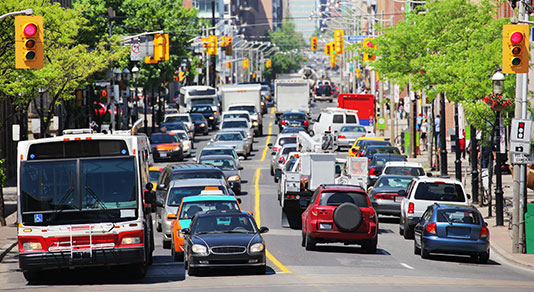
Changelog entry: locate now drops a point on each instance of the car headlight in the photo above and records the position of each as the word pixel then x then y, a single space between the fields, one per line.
pixel 131 240
pixel 179 233
pixel 262 103
pixel 211 117
pixel 177 148
pixel 202 125
pixel 234 178
pixel 199 249
pixel 257 247
pixel 255 123
pixel 249 134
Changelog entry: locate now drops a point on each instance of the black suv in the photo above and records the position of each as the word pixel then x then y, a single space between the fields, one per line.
pixel 207 112
pixel 293 119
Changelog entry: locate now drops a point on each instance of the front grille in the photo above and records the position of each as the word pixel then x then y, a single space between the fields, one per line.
pixel 228 249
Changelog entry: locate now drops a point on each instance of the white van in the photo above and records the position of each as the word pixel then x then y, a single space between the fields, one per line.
pixel 332 119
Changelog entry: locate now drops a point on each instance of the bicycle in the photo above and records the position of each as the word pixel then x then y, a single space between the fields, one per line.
pixel 486 197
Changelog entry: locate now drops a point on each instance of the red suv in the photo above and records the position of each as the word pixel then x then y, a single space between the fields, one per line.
pixel 340 213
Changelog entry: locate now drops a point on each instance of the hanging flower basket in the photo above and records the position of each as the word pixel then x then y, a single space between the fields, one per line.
pixel 498 103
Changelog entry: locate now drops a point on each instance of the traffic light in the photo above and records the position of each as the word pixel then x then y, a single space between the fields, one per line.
pixel 161 47
pixel 515 45
pixel 181 76
pixel 204 44
pixel 228 50
pixel 212 45
pixel 313 43
pixel 104 97
pixel 29 49
pixel 245 63
pixel 268 63
pixel 368 44
pixel 338 39
pixel 228 65
pixel 327 49
pixel 332 61
pixel 333 46
pixel 359 73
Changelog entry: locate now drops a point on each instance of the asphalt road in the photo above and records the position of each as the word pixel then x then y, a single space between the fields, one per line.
pixel 332 267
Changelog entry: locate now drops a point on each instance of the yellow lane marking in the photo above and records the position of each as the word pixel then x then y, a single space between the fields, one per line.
pixel 267 141
pixel 257 216
pixel 272 110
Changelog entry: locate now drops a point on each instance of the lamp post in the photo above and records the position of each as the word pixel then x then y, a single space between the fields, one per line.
pixel 135 75
pixel 125 99
pixel 117 78
pixel 498 89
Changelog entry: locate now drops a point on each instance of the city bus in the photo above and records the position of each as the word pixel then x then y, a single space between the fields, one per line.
pixel 84 199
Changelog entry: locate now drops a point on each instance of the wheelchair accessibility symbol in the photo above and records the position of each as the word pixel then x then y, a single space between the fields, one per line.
pixel 37 218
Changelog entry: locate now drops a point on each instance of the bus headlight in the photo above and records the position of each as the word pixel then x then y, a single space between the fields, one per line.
pixel 179 233
pixel 257 247
pixel 130 240
pixel 199 249
pixel 32 245
pixel 211 117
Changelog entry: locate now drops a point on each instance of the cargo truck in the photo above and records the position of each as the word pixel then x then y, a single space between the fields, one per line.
pixel 291 94
pixel 244 97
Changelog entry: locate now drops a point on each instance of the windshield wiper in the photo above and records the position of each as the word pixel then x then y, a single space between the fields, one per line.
pixel 207 232
pixel 99 201
pixel 60 207
pixel 236 231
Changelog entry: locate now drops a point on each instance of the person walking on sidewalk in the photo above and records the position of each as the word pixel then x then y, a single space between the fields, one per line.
pixel 424 130
pixel 437 129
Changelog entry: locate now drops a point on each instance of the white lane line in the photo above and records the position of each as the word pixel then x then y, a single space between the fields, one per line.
pixel 407 266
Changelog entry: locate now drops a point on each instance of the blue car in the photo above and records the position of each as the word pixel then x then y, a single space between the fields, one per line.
pixel 453 230
pixel 201 124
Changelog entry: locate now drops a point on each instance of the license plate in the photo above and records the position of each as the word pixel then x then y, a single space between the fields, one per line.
pixel 163 154
pixel 323 94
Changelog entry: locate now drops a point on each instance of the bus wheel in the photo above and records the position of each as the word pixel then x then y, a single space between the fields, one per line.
pixel 138 270
pixel 32 276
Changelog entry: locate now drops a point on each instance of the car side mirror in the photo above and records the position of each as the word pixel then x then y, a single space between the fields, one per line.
pixel 353 151
pixel 264 229
pixel 150 196
pixel 273 153
pixel 240 168
pixel 304 203
pixel 429 174
pixel 161 187
pixel 468 196
pixel 195 160
pixel 149 186
pixel 402 193
pixel 486 223
pixel 159 203
pixel 186 231
pixel 241 158
pixel 270 145
pixel 239 200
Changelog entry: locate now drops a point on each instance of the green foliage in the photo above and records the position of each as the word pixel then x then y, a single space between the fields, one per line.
pixel 283 63
pixel 286 38
pixel 2 173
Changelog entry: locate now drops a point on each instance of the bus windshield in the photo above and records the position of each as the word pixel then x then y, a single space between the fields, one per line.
pixel 78 190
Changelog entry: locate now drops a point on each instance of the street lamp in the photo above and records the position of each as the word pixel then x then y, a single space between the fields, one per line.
pixel 498 89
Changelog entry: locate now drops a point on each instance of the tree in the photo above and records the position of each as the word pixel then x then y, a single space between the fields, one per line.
pixel 283 63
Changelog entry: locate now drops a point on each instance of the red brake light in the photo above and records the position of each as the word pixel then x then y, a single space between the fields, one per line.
pixel 431 228
pixel 342 137
pixel 385 196
pixel 305 122
pixel 411 208
pixel 283 123
pixel 275 149
pixel 314 212
pixel 484 232
pixel 372 171
pixel 281 160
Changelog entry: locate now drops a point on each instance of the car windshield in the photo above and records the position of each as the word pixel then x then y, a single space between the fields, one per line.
pixel 358 129
pixel 374 142
pixel 265 88
pixel 223 164
pixel 237 116
pixel 389 150
pixel 249 108
pixel 160 139
pixel 234 124
pixel 287 140
pixel 336 198
pixel 96 187
pixel 379 160
pixel 293 130
pixel 438 191
pixel 176 194
pixel 393 182
pixel 208 100
pixel 405 170
pixel 237 223
pixel 190 209
pixel 458 216
pixel 201 109
pixel 229 137
pixel 294 116
pixel 182 135
pixel 174 119
pixel 198 92
pixel 199 118
pixel 288 150
pixel 228 151
pixel 215 173
pixel 171 127
pixel 154 175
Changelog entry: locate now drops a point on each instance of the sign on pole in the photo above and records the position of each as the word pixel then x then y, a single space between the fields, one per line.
pixel 520 135
pixel 141 48
pixel 356 38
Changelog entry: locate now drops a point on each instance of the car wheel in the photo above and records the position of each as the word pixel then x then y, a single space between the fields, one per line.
pixel 416 250
pixel 166 244
pixel 310 243
pixel 158 226
pixel 138 271
pixel 303 241
pixel 408 231
pixel 424 253
pixel 275 179
pixel 33 276
pixel 272 171
pixel 370 246
pixel 483 258
pixel 261 270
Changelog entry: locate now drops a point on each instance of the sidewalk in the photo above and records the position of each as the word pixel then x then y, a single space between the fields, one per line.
pixel 8 234
pixel 500 236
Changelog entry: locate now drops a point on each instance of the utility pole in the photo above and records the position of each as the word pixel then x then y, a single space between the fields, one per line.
pixel 474 164
pixel 442 140
pixel 213 78
pixel 458 161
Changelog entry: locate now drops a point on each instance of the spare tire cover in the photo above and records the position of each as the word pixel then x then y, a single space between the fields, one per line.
pixel 348 217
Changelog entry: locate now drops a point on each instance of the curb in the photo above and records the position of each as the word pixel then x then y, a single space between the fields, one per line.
pixel 511 259
pixel 6 249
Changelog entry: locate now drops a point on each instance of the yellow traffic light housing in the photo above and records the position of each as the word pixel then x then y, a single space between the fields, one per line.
pixel 229 44
pixel 212 45
pixel 333 48
pixel 29 36
pixel 327 49
pixel 161 47
pixel 268 63
pixel 367 45
pixel 204 44
pixel 313 43
pixel 338 39
pixel 332 61
pixel 228 65
pixel 515 48
pixel 245 63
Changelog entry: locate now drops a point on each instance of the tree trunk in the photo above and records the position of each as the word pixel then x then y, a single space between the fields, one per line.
pixel 2 208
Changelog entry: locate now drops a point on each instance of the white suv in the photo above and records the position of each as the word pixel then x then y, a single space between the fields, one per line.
pixel 403 168
pixel 332 119
pixel 425 191
pixel 181 118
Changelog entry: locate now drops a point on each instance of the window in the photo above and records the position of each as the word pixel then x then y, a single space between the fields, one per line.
pixel 177 194
pixel 458 216
pixel 351 119
pixel 189 209
pixel 338 119
pixel 405 170
pixel 336 198
pixel 439 192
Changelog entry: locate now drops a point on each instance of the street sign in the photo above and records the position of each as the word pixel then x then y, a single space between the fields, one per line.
pixel 520 147
pixel 381 123
pixel 519 158
pixel 520 131
pixel 141 48
pixel 356 38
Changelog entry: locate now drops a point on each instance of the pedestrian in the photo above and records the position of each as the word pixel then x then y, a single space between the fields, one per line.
pixel 462 144
pixel 484 156
pixel 401 109
pixel 424 137
pixel 437 129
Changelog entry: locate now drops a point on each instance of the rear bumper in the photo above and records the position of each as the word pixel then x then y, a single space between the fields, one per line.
pixel 170 155
pixel 62 260
pixel 387 207
pixel 347 237
pixel 454 245
pixel 345 142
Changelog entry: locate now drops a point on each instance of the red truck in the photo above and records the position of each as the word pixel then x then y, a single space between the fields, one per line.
pixel 363 103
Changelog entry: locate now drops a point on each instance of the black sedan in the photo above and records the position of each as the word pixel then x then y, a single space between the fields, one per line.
pixel 377 165
pixel 387 193
pixel 293 119
pixel 201 125
pixel 207 112
pixel 227 238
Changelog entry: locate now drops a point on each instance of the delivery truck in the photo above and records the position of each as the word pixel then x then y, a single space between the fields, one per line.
pixel 291 94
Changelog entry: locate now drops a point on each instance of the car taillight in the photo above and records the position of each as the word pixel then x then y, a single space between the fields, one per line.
pixel 385 196
pixel 275 149
pixel 329 128
pixel 283 123
pixel 484 232
pixel 315 91
pixel 411 208
pixel 372 171
pixel 305 122
pixel 281 160
pixel 314 212
pixel 341 137
pixel 431 228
